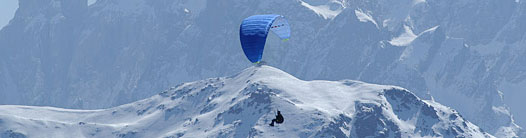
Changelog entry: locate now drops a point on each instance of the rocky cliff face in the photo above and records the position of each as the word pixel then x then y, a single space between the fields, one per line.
pixel 465 54
pixel 37 50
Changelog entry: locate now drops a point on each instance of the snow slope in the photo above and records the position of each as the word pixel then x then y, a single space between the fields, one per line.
pixel 242 106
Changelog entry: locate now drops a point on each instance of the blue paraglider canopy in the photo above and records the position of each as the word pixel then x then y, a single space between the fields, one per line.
pixel 254 30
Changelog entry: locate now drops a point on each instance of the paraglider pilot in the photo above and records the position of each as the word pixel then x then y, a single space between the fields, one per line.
pixel 278 119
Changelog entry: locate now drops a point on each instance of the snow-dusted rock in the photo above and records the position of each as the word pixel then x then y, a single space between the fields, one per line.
pixel 243 105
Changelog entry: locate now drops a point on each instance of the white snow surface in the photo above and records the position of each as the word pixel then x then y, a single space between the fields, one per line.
pixel 405 38
pixel 323 10
pixel 408 36
pixel 365 17
pixel 242 106
pixel 415 2
pixel 91 2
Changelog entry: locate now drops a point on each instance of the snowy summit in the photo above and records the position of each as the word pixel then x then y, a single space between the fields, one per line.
pixel 243 105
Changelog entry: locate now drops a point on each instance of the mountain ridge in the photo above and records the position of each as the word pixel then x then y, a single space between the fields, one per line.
pixel 242 106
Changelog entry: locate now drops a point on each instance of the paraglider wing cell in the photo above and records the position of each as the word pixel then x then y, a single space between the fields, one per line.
pixel 281 28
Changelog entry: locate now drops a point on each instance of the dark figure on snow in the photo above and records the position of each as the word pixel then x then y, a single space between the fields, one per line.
pixel 279 119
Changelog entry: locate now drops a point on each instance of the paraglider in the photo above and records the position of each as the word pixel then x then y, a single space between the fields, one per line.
pixel 254 30
pixel 279 119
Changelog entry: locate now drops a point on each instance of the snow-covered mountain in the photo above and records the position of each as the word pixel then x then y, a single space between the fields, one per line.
pixel 243 105
pixel 465 54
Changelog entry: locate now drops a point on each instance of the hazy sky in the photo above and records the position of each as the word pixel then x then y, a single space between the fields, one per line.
pixel 7 11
